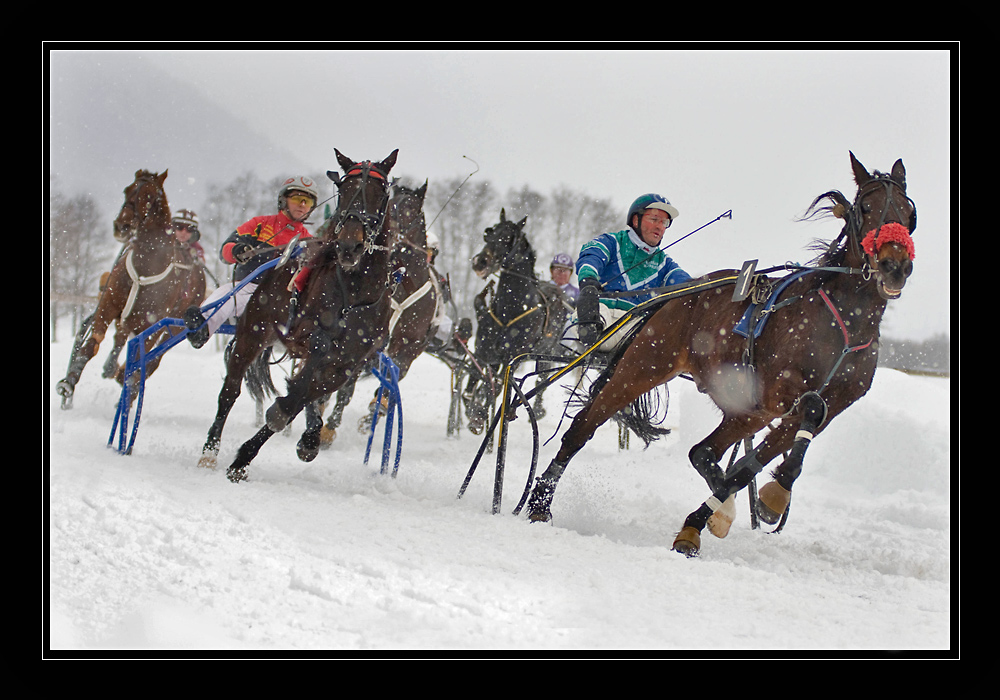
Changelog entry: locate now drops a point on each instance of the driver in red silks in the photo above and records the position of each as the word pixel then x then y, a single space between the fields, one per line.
pixel 252 244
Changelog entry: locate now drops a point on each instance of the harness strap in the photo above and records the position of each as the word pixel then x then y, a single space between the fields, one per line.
pixel 848 349
pixel 843 326
pixel 138 281
pixel 398 309
pixel 515 319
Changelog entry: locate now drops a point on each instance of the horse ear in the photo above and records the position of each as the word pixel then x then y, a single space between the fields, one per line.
pixel 344 161
pixel 162 177
pixel 861 175
pixel 423 190
pixel 503 215
pixel 334 176
pixel 522 222
pixel 386 165
pixel 899 173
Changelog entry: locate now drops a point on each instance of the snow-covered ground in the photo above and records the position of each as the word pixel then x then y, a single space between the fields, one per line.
pixel 151 552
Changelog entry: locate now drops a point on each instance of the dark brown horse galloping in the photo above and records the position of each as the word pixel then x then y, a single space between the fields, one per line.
pixel 814 356
pixel 156 276
pixel 342 317
pixel 415 296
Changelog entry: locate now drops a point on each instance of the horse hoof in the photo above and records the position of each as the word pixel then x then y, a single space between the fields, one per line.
pixel 687 542
pixel 237 474
pixel 539 515
pixel 65 390
pixel 308 448
pixel 326 437
pixel 476 425
pixel 721 520
pixel 772 502
pixel 208 461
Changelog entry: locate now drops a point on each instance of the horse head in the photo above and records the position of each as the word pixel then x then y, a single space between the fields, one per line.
pixel 501 247
pixel 878 229
pixel 360 223
pixel 406 217
pixel 882 219
pixel 145 207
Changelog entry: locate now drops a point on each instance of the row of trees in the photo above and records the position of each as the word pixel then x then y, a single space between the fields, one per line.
pixel 458 210
pixel 931 356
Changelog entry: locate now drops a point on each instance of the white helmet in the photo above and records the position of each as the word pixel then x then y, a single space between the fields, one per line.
pixel 297 184
pixel 186 218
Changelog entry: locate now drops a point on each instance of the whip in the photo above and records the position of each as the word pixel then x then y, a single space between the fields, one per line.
pixel 728 214
pixel 456 191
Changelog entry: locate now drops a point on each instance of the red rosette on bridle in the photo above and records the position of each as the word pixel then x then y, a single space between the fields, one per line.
pixel 889 233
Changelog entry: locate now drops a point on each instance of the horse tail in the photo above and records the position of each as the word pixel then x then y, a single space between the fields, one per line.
pixel 257 378
pixel 646 414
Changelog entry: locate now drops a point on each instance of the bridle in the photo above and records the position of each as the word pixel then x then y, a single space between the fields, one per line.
pixel 515 245
pixel 855 215
pixel 358 206
pixel 152 203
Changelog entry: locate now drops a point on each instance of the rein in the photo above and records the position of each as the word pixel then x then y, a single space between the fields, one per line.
pixel 372 224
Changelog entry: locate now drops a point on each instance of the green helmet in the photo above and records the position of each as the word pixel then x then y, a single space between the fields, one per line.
pixel 651 201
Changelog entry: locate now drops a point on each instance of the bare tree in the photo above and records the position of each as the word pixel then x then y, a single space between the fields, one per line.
pixel 78 253
pixel 459 227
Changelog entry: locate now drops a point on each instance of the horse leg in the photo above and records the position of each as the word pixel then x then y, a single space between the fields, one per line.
pixel 309 444
pixel 455 405
pixel 236 366
pixel 469 399
pixel 703 458
pixel 382 406
pixel 344 395
pixel 621 389
pixel 774 496
pixel 85 347
pixel 537 407
pixel 688 540
pixel 111 365
pixel 237 471
pixel 281 413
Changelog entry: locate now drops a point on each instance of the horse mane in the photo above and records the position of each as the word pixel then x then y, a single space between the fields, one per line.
pixel 530 253
pixel 829 253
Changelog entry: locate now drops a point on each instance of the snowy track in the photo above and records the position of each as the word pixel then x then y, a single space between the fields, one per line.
pixel 151 552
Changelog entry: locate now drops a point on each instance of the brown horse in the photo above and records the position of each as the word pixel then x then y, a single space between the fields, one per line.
pixel 155 276
pixel 415 296
pixel 814 357
pixel 342 316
